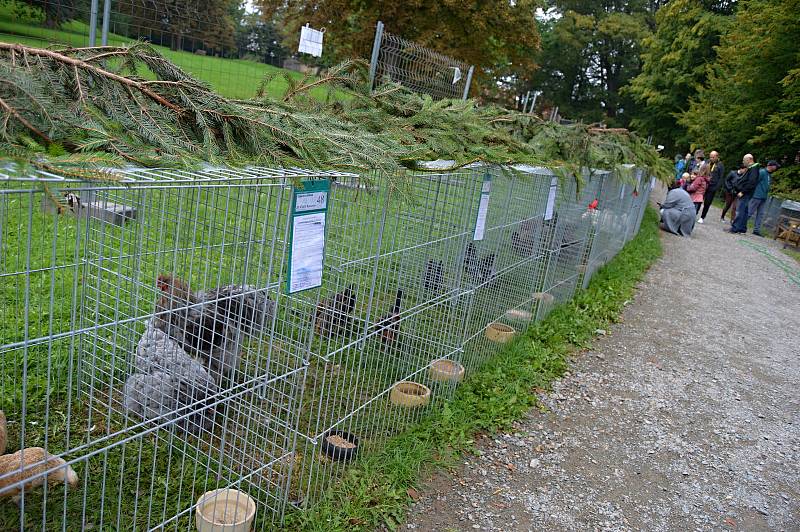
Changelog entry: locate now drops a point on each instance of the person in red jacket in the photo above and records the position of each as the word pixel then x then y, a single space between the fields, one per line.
pixel 697 188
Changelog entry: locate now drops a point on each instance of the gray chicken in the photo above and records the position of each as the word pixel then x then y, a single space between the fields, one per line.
pixel 168 383
pixel 190 347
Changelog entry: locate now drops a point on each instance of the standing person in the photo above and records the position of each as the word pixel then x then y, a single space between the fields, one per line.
pixel 761 194
pixel 696 161
pixel 730 192
pixel 717 176
pixel 745 186
pixel 680 164
pixel 697 188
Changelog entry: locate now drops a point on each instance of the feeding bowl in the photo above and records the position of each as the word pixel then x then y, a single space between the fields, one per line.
pixel 225 510
pixel 412 394
pixel 340 445
pixel 499 332
pixel 444 370
pixel 518 314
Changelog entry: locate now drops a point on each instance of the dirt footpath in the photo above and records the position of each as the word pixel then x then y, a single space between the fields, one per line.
pixel 686 416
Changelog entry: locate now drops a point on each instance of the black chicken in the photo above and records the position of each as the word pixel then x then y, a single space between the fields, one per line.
pixel 334 315
pixel 523 242
pixel 478 270
pixel 389 325
pixel 433 276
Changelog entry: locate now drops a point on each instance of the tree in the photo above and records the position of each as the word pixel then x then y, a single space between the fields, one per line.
pixel 56 12
pixel 185 24
pixel 497 36
pixel 751 102
pixel 259 38
pixel 674 62
pixel 590 51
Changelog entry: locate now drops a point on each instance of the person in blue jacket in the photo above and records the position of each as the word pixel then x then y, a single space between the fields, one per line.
pixel 680 165
pixel 760 195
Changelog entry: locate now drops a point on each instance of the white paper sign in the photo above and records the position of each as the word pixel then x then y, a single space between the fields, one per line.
pixel 456 75
pixel 308 247
pixel 311 201
pixel 480 223
pixel 551 199
pixel 310 41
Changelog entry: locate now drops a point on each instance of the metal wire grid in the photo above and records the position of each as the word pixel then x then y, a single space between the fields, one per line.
pixel 421 69
pixel 78 293
pixel 314 369
pixel 405 274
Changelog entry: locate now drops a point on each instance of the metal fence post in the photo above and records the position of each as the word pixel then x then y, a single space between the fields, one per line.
pixel 93 23
pixel 469 82
pixel 106 22
pixel 376 48
pixel 533 103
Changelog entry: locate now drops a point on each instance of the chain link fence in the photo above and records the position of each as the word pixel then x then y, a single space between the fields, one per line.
pixel 151 354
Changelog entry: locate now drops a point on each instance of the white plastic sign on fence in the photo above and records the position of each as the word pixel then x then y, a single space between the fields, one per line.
pixel 310 41
pixel 307 250
pixel 483 208
pixel 551 199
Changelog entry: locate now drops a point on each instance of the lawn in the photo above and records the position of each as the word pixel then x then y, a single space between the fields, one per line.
pixel 233 78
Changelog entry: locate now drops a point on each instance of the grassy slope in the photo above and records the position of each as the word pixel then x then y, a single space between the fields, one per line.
pixel 374 491
pixel 233 78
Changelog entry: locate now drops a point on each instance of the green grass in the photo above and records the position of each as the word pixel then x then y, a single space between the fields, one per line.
pixel 233 78
pixel 373 492
pixel 793 253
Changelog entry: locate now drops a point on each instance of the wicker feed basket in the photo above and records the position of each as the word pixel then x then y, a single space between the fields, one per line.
pixel 544 297
pixel 412 394
pixel 500 333
pixel 444 370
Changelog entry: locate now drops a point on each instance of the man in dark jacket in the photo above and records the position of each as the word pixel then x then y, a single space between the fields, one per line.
pixel 744 191
pixel 717 177
pixel 728 187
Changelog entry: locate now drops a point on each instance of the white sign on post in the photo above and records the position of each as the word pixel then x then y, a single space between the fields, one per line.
pixel 310 41
pixel 551 199
pixel 483 208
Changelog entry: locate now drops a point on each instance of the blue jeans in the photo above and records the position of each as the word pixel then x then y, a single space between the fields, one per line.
pixel 742 214
pixel 757 206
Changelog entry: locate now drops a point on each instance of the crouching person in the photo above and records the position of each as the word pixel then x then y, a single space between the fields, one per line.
pixel 677 211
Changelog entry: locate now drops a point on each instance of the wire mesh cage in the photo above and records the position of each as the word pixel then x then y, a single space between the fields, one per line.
pixel 152 354
pixel 147 348
pixel 421 69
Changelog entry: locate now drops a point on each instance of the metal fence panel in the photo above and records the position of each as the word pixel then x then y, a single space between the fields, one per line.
pixel 147 344
pixel 420 69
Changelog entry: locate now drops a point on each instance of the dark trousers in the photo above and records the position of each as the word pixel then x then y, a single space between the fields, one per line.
pixel 708 199
pixel 740 222
pixel 730 203
pixel 697 206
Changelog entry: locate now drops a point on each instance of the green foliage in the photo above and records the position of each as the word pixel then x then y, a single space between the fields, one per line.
pixel 373 493
pixel 751 101
pixel 588 54
pixel 497 36
pixel 674 62
pixel 93 100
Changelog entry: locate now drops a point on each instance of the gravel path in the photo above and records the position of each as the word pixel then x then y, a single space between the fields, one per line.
pixel 685 416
